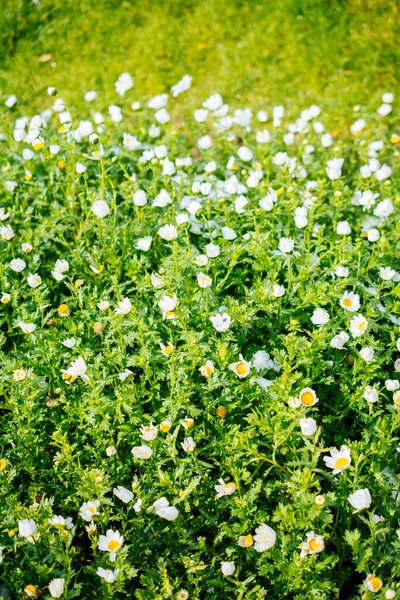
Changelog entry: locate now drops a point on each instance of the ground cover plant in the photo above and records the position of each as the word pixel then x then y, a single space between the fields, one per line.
pixel 199 329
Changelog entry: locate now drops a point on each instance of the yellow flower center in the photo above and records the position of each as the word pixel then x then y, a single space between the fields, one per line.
pixel 241 368
pixel 347 302
pixel 165 427
pixel 92 509
pixel 168 350
pixel 375 583
pixel 307 399
pixel 314 544
pixel 3 464
pixel 341 462
pixel 397 401
pixel 361 325
pixel 113 545
pixel 221 412
pixel 248 540
pixel 63 310
pixel 208 370
pixel 230 487
pixel 170 314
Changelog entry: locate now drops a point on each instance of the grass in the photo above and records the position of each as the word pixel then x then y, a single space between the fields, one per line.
pixel 296 52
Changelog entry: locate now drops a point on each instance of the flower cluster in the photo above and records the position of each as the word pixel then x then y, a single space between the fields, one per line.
pixel 200 345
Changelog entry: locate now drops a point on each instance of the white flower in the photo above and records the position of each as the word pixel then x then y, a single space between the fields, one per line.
pixel 360 499
pixel 56 587
pixel 201 115
pixel 205 142
pixel 103 305
pixel 123 83
pixel 342 271
pixel 162 199
pixel 384 110
pixel 203 280
pixel 313 545
pixel 300 217
pixel 224 489
pixel 125 374
pixel 339 340
pixel 384 208
pixel 80 168
pixel 144 243
pixel 163 509
pixel 100 208
pixel 214 102
pixel 221 322
pixel 286 245
pixel 143 452
pixel 278 290
pixel 27 327
pixel 370 394
pixel 162 116
pixel 373 584
pixel 367 354
pixel 188 444
pixel 307 397
pixel 212 250
pixel 167 305
pixel 343 228
pixel 182 86
pixel 61 523
pixel 34 280
pixel 350 301
pixel 386 273
pixel 11 100
pixel 339 460
pixel 227 568
pixel 308 426
pixel 357 126
pixel 245 153
pixel 124 307
pixel 111 542
pixel 168 232
pixel 383 173
pixel 320 317
pixel 263 137
pixel 156 281
pixel 373 235
pixel 264 538
pixel 158 102
pixel 261 360
pixel 334 168
pixel 149 432
pixel 123 494
pixel 392 385
pixel 358 325
pixel 241 368
pixel 139 198
pixel 108 575
pixel 26 527
pixel 17 265
pixel 111 451
pixel 228 233
pixel 78 368
pixel 69 342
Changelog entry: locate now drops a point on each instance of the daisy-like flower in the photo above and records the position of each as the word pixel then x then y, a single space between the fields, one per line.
pixel 339 460
pixel 168 232
pixel 167 305
pixel 17 265
pixel 350 301
pixel 308 397
pixel 111 542
pixel 360 499
pixel 163 509
pixel 148 432
pixel 108 575
pixel 320 317
pixel 373 584
pixel 187 423
pixel 124 307
pixel 396 399
pixel 221 322
pixel 100 208
pixel 56 587
pixel 60 523
pixel 241 368
pixel 265 538
pixel 245 541
pixel 208 369
pixel 188 444
pixel 77 369
pixel 26 528
pixel 286 245
pixel 165 425
pixel 142 452
pixel 123 494
pixel 203 280
pixel 313 545
pixel 103 305
pixel 224 489
pixel 123 83
pixel 27 327
pixel 168 349
pixel 34 280
pixel 227 568
pixel 358 325
pixel 308 426
pixel 339 340
pixel 88 510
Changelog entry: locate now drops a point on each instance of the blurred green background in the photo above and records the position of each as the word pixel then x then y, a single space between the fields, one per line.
pixel 337 53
